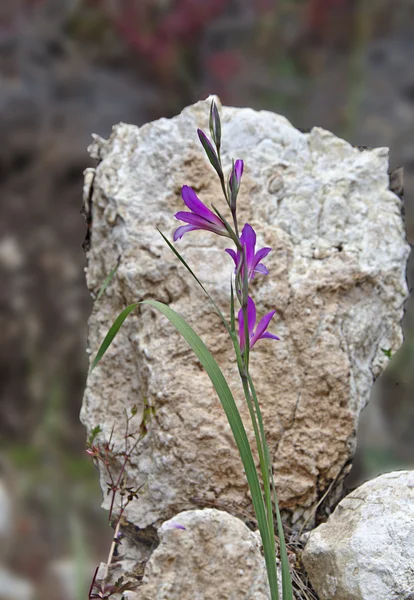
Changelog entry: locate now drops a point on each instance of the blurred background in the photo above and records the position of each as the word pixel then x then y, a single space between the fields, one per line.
pixel 69 68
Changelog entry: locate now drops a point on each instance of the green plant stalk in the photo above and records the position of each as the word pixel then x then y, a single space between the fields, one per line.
pixel 264 462
pixel 287 592
pixel 244 309
pixel 262 446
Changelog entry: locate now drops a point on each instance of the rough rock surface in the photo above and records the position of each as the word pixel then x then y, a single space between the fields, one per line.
pixel 216 556
pixel 365 551
pixel 337 280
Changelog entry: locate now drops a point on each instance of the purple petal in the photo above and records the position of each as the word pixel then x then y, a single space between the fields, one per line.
pixel 192 218
pixel 266 334
pixel 200 222
pixel 232 254
pixel 251 314
pixel 260 269
pixel 251 321
pixel 241 328
pixel 264 323
pixel 196 206
pixel 238 169
pixel 178 233
pixel 260 255
pixel 248 239
pixel 261 327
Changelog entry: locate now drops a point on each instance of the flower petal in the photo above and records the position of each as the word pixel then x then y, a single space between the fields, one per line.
pixel 178 233
pixel 248 239
pixel 194 203
pixel 264 323
pixel 266 334
pixel 261 327
pixel 241 328
pixel 232 254
pixel 251 314
pixel 251 321
pixel 260 255
pixel 260 268
pixel 200 222
pixel 238 169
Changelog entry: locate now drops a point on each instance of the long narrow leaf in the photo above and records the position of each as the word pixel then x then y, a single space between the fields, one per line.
pixel 112 333
pixel 237 427
pixel 189 269
pixel 107 282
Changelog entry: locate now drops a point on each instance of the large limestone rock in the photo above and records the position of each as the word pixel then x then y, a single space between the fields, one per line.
pixel 365 551
pixel 214 556
pixel 337 280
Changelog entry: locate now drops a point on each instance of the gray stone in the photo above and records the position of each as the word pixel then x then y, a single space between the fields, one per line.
pixel 337 280
pixel 215 556
pixel 14 587
pixel 365 551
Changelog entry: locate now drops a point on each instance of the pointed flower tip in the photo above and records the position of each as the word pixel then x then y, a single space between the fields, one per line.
pixel 215 124
pixel 210 152
pixel 238 169
pixel 235 181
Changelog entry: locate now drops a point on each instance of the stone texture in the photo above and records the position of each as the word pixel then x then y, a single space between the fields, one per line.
pixel 365 551
pixel 337 280
pixel 216 556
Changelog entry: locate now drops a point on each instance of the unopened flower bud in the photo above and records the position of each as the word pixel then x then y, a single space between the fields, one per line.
pixel 215 125
pixel 234 182
pixel 211 153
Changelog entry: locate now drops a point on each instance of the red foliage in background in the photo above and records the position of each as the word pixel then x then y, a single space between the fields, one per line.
pixel 165 34
pixel 154 33
pixel 319 12
pixel 224 65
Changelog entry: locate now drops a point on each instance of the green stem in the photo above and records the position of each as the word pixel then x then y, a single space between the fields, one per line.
pixel 263 460
pixel 246 351
pixel 287 592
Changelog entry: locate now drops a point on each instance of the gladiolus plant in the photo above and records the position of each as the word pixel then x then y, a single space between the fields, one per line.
pixel 247 265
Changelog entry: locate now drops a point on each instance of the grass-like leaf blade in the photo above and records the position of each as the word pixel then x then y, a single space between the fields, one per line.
pixel 107 282
pixel 112 333
pixel 189 269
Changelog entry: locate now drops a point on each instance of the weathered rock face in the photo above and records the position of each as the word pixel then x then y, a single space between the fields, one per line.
pixel 365 551
pixel 216 556
pixel 337 280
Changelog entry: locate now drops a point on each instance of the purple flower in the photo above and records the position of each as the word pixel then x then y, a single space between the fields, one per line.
pixel 248 240
pixel 200 216
pixel 263 324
